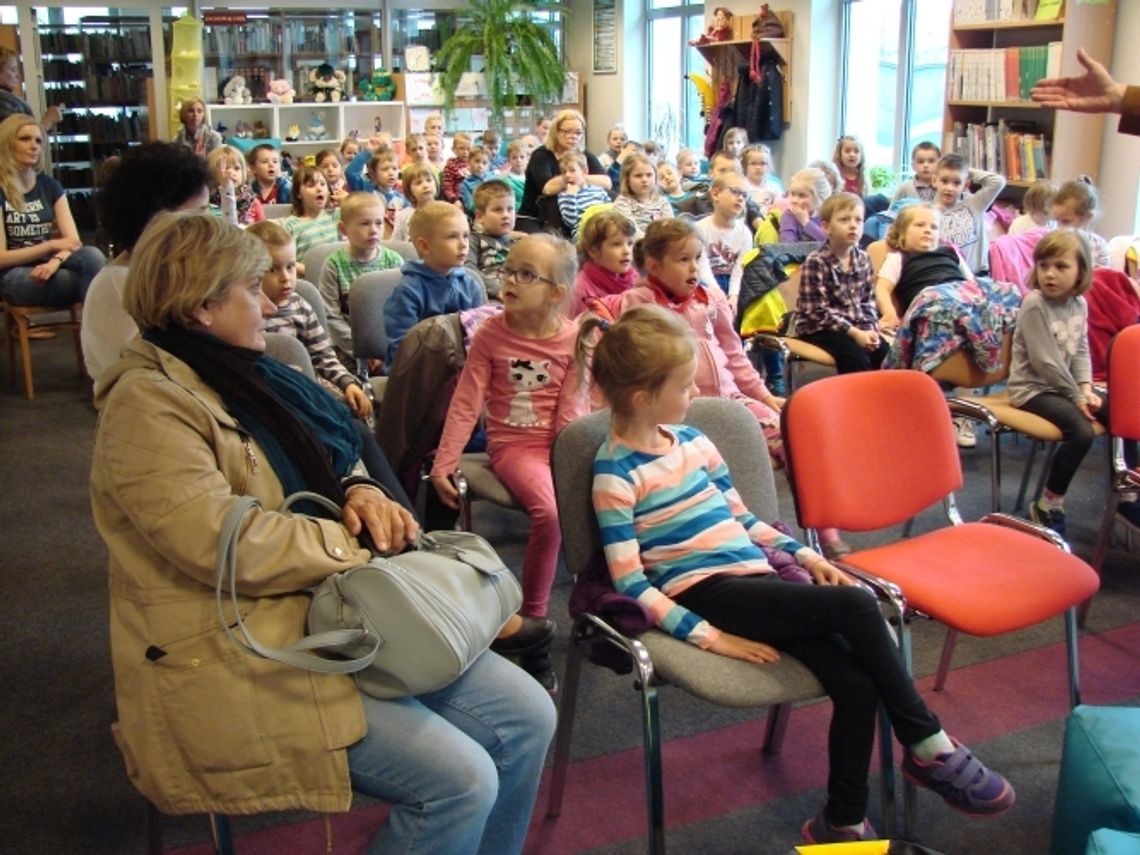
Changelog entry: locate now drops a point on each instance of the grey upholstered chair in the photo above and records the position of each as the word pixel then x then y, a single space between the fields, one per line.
pixel 289 349
pixel 312 296
pixel 316 257
pixel 366 299
pixel 656 657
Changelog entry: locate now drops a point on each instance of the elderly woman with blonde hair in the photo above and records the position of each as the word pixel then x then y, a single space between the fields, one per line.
pixel 194 417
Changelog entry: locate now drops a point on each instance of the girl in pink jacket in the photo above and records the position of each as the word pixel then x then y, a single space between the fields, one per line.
pixel 672 250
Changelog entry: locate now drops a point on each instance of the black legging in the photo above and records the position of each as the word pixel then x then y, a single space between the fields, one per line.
pixel 840 635
pixel 1077 434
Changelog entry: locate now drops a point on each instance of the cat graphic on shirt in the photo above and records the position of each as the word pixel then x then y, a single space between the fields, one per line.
pixel 526 375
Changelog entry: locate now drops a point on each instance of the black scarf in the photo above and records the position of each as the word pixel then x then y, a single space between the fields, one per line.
pixel 307 434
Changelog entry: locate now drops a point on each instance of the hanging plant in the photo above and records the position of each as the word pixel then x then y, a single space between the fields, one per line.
pixel 519 54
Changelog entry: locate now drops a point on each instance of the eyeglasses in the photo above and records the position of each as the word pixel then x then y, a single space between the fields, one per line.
pixel 738 192
pixel 571 132
pixel 523 277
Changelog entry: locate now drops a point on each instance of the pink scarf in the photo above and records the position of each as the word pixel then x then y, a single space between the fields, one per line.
pixel 601 282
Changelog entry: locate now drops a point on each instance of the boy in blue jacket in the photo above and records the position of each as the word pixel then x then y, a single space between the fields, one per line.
pixel 437 284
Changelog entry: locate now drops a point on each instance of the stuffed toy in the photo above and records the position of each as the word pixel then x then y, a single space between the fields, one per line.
pixel 720 30
pixel 281 92
pixel 293 134
pixel 317 130
pixel 236 92
pixel 243 131
pixel 378 87
pixel 260 131
pixel 326 83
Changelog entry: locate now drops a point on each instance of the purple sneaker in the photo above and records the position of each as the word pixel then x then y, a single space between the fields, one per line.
pixel 962 780
pixel 819 830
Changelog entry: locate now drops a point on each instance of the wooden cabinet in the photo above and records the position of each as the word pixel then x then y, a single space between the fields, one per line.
pixel 978 105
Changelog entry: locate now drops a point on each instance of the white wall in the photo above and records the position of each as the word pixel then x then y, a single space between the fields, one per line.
pixel 1119 179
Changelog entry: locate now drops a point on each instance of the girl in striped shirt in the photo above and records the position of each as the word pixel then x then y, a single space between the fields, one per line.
pixel 678 538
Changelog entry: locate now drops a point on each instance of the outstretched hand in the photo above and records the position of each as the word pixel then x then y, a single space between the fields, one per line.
pixel 1093 92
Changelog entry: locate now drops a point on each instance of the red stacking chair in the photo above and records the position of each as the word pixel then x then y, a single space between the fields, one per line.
pixel 1123 424
pixel 871 450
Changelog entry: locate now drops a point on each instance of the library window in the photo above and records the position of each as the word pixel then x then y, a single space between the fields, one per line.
pixel 674 108
pixel 894 73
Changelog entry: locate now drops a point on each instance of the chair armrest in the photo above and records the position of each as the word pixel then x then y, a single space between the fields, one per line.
pixel 881 589
pixel 590 624
pixel 1026 527
pixel 973 411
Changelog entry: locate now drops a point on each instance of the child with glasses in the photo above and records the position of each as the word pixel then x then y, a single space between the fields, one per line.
pixel 726 236
pixel 520 372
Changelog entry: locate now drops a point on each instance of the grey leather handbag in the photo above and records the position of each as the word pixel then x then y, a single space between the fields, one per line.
pixel 404 625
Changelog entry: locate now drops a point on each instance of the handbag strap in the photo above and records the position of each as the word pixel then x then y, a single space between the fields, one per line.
pixel 225 569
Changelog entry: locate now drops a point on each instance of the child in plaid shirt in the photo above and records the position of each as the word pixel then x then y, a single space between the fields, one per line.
pixel 836 308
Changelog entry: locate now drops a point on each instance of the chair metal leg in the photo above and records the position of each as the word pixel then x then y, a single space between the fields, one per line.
pixel 887 774
pixel 223 837
pixel 995 470
pixel 907 821
pixel 1019 502
pixel 1074 663
pixel 654 789
pixel 1101 549
pixel 775 728
pixel 567 705
pixel 944 662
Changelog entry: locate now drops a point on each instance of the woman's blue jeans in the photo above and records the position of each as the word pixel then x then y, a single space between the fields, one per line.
pixel 460 766
pixel 68 285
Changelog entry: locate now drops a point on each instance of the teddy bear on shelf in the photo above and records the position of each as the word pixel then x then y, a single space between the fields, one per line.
pixel 236 92
pixel 326 83
pixel 317 130
pixel 281 92
pixel 378 87
pixel 720 30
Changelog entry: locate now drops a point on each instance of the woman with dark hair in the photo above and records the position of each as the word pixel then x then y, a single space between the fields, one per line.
pixel 543 178
pixel 194 417
pixel 153 177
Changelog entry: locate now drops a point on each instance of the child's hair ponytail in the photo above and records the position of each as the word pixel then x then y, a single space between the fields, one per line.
pixel 635 353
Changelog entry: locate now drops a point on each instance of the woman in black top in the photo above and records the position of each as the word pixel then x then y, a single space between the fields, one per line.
pixel 543 178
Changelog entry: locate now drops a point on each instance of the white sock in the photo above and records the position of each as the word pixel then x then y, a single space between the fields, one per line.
pixel 932 746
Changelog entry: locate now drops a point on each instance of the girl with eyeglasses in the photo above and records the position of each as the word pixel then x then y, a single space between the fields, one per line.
pixel 520 371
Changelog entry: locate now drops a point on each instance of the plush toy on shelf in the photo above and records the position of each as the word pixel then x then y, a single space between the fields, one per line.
pixel 326 83
pixel 317 130
pixel 281 92
pixel 236 92
pixel 243 131
pixel 720 30
pixel 378 87
pixel 260 130
pixel 293 134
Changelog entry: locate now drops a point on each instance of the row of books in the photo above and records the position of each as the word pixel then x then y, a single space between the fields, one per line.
pixel 1000 74
pixel 1000 11
pixel 1017 151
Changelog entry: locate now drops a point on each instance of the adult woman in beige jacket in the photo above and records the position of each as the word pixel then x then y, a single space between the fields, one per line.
pixel 193 416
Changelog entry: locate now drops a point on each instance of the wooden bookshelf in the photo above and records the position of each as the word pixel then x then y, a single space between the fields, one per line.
pixel 1072 140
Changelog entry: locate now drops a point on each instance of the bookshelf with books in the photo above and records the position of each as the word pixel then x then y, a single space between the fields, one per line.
pixel 998 50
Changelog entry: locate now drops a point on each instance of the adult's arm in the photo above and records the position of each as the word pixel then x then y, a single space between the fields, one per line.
pixel 155 461
pixel 42 252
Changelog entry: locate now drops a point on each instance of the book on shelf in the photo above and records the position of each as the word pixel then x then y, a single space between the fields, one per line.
pixel 1017 150
pixel 1000 74
pixel 998 11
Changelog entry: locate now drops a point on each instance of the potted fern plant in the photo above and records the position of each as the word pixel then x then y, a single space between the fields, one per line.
pixel 519 54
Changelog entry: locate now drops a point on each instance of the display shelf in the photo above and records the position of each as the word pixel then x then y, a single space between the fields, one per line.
pixel 1071 140
pixel 340 119
pixel 725 58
